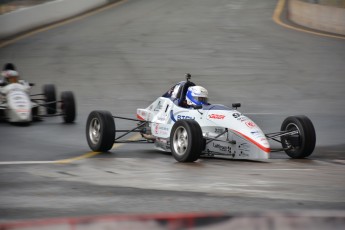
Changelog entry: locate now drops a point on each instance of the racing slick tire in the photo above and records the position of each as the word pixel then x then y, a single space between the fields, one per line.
pixel 50 98
pixel 100 131
pixel 68 106
pixel 186 140
pixel 302 144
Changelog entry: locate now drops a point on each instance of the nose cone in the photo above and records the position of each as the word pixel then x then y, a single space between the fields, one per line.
pixel 19 105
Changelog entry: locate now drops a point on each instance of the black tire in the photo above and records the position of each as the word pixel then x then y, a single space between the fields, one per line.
pixel 100 131
pixel 35 114
pixel 302 144
pixel 50 97
pixel 186 148
pixel 68 106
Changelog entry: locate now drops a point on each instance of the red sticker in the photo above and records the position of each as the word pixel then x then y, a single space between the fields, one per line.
pixel 216 116
pixel 250 124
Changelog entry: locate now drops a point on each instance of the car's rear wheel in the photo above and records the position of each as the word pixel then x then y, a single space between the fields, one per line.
pixel 301 143
pixel 50 98
pixel 186 140
pixel 68 106
pixel 100 131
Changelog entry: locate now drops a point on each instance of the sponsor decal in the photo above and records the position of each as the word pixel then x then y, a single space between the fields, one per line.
pixel 250 124
pixel 242 119
pixel 222 148
pixel 218 130
pixel 158 107
pixel 244 149
pixel 236 115
pixel 179 117
pixel 242 154
pixel 216 116
pixel 256 133
pixel 156 128
pixel 161 130
pixel 162 118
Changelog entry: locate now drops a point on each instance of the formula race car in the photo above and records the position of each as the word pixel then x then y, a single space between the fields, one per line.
pixel 18 106
pixel 193 130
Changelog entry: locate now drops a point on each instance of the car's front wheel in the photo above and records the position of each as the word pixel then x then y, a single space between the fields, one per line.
pixel 68 106
pixel 49 92
pixel 301 142
pixel 186 140
pixel 100 131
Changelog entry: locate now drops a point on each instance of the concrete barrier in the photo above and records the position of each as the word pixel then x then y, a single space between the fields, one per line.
pixel 316 16
pixel 25 19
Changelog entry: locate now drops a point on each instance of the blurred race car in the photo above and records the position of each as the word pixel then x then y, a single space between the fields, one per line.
pixel 182 122
pixel 18 106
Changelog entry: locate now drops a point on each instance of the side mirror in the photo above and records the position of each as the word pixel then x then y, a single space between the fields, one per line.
pixel 236 105
pixel 31 84
pixel 3 83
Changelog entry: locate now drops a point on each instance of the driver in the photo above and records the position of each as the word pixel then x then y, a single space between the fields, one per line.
pixel 10 76
pixel 196 96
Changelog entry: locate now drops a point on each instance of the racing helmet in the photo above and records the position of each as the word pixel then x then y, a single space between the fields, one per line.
pixel 10 76
pixel 196 95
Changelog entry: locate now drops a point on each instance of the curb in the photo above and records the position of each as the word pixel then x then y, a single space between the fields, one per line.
pixel 26 19
pixel 323 18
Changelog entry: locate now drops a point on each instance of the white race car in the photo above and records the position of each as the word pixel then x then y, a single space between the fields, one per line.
pixel 209 129
pixel 18 106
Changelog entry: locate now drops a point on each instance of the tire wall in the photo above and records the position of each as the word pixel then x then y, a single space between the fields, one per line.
pixel 316 16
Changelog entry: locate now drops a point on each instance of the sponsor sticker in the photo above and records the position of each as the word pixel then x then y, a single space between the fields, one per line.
pixel 218 130
pixel 216 116
pixel 236 115
pixel 222 148
pixel 181 117
pixel 250 124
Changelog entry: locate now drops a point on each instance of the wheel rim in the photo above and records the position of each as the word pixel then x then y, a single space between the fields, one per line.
pixel 180 139
pixel 95 130
pixel 290 141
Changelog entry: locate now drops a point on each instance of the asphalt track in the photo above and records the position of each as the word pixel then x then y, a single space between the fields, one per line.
pixel 125 57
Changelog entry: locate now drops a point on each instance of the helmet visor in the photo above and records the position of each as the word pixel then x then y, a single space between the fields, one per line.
pixel 202 100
